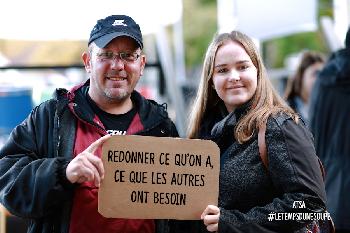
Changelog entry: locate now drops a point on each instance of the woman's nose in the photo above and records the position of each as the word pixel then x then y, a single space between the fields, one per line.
pixel 234 75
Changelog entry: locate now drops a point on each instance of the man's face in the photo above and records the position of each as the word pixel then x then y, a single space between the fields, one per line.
pixel 113 77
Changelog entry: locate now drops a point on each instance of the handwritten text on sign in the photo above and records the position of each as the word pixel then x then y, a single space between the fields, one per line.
pixel 158 178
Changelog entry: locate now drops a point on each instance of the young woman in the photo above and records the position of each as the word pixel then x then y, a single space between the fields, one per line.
pixel 235 98
pixel 299 86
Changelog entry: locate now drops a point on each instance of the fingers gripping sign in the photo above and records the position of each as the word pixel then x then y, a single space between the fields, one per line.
pixel 210 217
pixel 86 166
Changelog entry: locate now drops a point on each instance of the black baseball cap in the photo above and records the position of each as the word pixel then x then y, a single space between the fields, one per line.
pixel 114 26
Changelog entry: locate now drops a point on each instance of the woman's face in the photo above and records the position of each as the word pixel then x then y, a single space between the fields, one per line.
pixel 235 76
pixel 308 80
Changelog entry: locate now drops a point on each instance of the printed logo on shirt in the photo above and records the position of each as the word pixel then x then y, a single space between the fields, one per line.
pixel 116 132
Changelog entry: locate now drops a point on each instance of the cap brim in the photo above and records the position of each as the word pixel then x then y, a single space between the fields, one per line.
pixel 102 41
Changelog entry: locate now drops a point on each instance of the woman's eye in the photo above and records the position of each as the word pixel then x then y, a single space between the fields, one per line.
pixel 224 70
pixel 243 67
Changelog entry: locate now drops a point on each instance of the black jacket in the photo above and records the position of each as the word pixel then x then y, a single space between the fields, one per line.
pixel 33 161
pixel 329 122
pixel 248 193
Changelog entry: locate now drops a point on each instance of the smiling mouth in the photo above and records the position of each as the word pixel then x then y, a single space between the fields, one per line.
pixel 235 87
pixel 116 78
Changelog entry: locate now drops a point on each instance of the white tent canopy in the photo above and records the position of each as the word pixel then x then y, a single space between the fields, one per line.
pixel 73 20
pixel 269 18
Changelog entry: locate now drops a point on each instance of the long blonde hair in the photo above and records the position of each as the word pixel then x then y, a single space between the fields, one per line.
pixel 264 103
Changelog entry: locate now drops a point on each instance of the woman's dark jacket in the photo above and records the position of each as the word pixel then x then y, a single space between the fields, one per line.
pixel 329 122
pixel 33 161
pixel 249 193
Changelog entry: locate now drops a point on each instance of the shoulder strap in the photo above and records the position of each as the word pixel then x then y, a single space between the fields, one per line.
pixel 263 150
pixel 262 145
pixel 323 171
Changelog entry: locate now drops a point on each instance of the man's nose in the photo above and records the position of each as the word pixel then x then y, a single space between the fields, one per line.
pixel 117 63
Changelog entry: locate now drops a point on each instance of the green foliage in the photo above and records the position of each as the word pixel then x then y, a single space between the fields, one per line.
pixel 200 25
pixel 276 50
pixel 325 8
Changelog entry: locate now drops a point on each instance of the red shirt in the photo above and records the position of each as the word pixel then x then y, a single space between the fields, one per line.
pixel 84 216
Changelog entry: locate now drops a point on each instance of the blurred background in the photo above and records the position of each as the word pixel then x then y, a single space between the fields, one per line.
pixel 41 44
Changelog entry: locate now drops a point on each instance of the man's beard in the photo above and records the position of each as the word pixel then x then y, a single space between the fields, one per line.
pixel 119 97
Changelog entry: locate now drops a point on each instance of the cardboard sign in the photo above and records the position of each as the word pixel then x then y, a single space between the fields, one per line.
pixel 158 178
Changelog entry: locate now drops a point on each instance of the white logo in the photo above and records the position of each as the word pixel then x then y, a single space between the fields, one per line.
pixel 299 205
pixel 116 132
pixel 119 22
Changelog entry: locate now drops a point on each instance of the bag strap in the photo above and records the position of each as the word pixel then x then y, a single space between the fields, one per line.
pixel 262 145
pixel 263 150
pixel 323 171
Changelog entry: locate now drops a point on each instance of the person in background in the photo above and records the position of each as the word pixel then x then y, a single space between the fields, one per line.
pixel 329 123
pixel 299 86
pixel 50 167
pixel 234 100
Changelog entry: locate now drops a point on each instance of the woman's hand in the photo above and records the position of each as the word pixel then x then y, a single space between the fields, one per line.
pixel 210 217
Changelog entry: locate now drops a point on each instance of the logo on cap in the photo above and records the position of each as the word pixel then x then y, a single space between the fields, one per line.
pixel 114 26
pixel 119 22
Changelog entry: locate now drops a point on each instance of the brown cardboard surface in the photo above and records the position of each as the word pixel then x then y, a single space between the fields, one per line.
pixel 158 178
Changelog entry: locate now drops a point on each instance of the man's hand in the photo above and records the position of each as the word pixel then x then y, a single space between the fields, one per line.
pixel 86 166
pixel 210 217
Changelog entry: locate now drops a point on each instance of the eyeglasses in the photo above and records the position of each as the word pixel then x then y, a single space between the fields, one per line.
pixel 124 56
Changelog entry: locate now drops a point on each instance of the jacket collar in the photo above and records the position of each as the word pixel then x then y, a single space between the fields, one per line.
pixel 229 121
pixel 337 69
pixel 151 113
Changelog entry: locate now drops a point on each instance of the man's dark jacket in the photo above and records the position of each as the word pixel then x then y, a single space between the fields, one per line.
pixel 33 161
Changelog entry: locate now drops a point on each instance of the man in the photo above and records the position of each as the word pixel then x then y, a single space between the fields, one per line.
pixel 330 114
pixel 50 168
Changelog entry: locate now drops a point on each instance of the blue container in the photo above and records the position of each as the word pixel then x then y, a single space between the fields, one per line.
pixel 15 105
